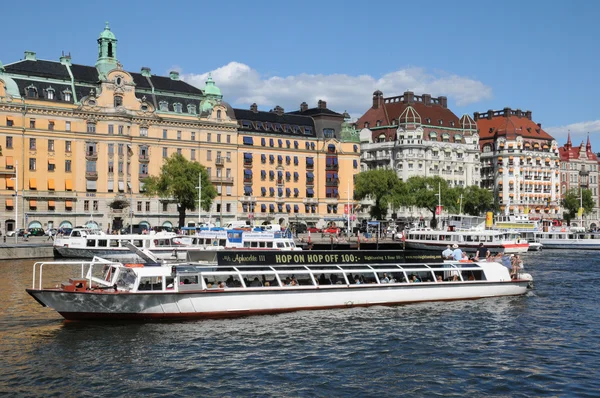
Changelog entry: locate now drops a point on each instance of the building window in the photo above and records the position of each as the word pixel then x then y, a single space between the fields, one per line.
pixel 95 205
pixel 179 151
pixel 143 131
pixel 91 127
pixel 120 130
pixel 193 136
pixel 51 125
pixel 32 164
pixel 218 115
pixel 9 122
pixel 111 129
pixel 163 106
pixel 208 155
pixel 179 135
pixel 120 149
pixel 67 95
pixel 209 171
pixel 67 166
pixel 50 93
pixel 147 206
pixel 32 143
pixel 67 126
pixel 228 205
pixel 50 145
pixel 177 107
pixel 165 206
pixel 118 101
pixel 9 142
pixel 31 92
pixel 193 154
pixel 208 137
pixel 164 152
pixel 228 139
pixel 191 109
pixel 67 146
pixel 219 137
pixel 228 156
pixel 328 133
pixel 120 167
pixel 111 166
pixel 139 206
pixel 31 123
pixel 86 205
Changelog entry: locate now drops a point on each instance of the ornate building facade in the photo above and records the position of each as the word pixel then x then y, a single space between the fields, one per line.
pixel 419 136
pixel 77 138
pixel 579 169
pixel 520 163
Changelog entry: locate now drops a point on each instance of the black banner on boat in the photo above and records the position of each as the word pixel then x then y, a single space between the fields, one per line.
pixel 308 257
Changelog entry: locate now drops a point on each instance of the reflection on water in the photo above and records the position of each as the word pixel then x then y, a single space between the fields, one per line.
pixel 545 343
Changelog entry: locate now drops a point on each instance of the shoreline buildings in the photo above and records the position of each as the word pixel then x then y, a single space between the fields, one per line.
pixel 77 139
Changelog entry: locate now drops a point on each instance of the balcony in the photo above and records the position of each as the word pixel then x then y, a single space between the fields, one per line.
pixel 91 155
pixel 144 158
pixel 310 181
pixel 143 175
pixel 313 201
pixel 220 162
pixel 226 180
pixel 248 199
pixel 91 175
pixel 332 182
pixel 333 167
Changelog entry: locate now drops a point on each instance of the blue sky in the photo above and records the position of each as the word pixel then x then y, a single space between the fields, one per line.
pixel 534 55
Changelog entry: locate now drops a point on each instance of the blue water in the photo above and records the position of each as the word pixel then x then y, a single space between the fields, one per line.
pixel 546 343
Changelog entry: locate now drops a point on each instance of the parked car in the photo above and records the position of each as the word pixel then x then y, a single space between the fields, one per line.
pixel 313 230
pixel 35 232
pixel 19 232
pixel 331 230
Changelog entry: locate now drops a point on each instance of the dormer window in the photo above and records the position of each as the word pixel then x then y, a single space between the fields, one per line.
pixel 191 109
pixel 118 101
pixel 31 92
pixel 67 95
pixel 50 93
pixel 452 124
pixel 219 115
pixel 428 121
pixel 177 107
pixel 441 121
pixel 378 123
pixel 366 125
pixel 163 106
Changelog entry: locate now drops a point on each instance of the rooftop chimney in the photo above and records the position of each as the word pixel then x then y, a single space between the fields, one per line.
pixel 528 114
pixel 322 104
pixel 254 108
pixel 146 71
pixel 278 110
pixel 506 111
pixel 426 99
pixel 519 113
pixel 377 99
pixel 65 59
pixel 174 75
pixel 476 116
pixel 409 97
pixel 30 56
pixel 490 114
pixel 443 101
pixel 303 107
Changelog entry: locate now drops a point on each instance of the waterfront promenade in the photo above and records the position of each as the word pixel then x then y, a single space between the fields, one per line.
pixel 34 247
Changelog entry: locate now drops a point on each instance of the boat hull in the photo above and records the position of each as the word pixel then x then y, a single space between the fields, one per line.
pixel 227 303
pixel 468 247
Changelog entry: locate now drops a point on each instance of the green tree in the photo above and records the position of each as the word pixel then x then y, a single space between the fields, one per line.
pixel 383 187
pixel 423 192
pixel 571 202
pixel 178 181
pixel 475 200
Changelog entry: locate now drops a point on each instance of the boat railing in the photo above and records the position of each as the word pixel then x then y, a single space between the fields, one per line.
pixel 38 268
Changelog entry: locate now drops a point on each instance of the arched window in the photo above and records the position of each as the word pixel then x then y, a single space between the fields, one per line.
pixel 163 106
pixel 219 114
pixel 191 109
pixel 31 92
pixel 50 93
pixel 118 101
pixel 177 107
pixel 67 95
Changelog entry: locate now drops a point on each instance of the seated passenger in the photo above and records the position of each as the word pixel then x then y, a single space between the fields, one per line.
pixel 385 278
pixel 222 285
pixel 323 280
pixel 255 282
pixel 294 281
pixel 414 279
pixel 356 280
pixel 439 278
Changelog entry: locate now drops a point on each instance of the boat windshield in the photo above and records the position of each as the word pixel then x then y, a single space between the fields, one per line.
pixel 126 279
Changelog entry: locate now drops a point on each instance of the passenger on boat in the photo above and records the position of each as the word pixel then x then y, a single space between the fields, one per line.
pixel 457 254
pixel 414 279
pixel 482 252
pixel 294 281
pixel 222 285
pixel 255 282
pixel 465 258
pixel 447 254
pixel 439 278
pixel 516 264
pixel 356 280
pixel 385 278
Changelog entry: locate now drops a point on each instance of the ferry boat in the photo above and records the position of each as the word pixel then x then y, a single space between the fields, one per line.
pixel 568 238
pixel 257 238
pixel 87 243
pixel 468 240
pixel 106 290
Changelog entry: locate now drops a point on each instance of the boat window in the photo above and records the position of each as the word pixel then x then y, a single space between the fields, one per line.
pixel 126 278
pixel 361 278
pixel 422 276
pixel 75 233
pixel 293 279
pixel 248 244
pixel 102 243
pixel 151 283
pixel 330 278
pixel 222 242
pixel 270 244
pixel 138 243
pixel 260 280
pixel 113 243
pixel 90 243
pixel 280 245
pixel 392 277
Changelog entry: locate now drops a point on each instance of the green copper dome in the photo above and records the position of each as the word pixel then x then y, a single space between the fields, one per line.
pixel 107 34
pixel 211 88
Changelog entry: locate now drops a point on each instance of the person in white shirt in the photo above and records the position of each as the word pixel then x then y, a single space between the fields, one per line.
pixel 447 254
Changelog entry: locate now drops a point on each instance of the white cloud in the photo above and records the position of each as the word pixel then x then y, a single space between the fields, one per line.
pixel 577 129
pixel 241 86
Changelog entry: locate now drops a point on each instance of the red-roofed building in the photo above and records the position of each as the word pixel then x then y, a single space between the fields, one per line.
pixel 579 169
pixel 520 163
pixel 419 135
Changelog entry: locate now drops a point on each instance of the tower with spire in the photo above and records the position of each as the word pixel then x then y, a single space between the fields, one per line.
pixel 107 52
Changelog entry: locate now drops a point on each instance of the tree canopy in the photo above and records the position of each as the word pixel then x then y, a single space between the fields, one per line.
pixel 571 202
pixel 178 181
pixel 383 187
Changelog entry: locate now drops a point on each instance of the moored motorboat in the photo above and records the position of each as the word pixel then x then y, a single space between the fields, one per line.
pixel 107 290
pixel 468 240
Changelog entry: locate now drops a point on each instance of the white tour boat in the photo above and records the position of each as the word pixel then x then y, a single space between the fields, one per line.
pixel 84 242
pixel 257 238
pixel 467 240
pixel 105 290
pixel 568 238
